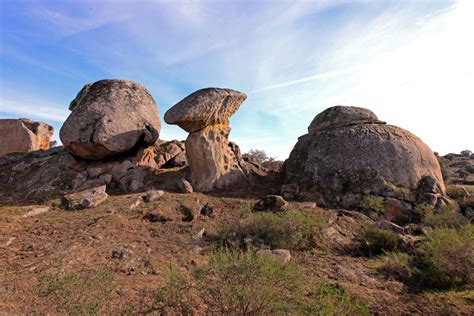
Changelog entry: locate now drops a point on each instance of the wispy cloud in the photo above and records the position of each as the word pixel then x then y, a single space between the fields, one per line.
pixel 34 108
pixel 310 78
pixel 404 60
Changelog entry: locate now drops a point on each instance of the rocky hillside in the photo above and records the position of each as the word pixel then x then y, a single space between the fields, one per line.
pixel 357 221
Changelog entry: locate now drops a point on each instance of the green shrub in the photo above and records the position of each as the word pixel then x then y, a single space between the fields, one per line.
pixel 77 294
pixel 374 240
pixel 237 283
pixel 175 293
pixel 395 265
pixel 373 205
pixel 447 218
pixel 294 230
pixel 446 257
pixel 330 299
pixel 457 192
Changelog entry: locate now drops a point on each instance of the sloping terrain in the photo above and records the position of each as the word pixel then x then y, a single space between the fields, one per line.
pixel 115 255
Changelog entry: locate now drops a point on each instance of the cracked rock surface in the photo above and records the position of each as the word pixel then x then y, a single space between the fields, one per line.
pixel 110 117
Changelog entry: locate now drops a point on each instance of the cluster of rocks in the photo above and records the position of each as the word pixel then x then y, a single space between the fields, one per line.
pixel 348 158
pixel 24 135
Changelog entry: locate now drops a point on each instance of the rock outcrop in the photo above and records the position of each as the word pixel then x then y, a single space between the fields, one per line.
pixel 110 117
pixel 205 115
pixel 351 159
pixel 24 135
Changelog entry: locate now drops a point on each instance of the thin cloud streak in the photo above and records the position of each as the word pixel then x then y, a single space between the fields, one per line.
pixel 310 78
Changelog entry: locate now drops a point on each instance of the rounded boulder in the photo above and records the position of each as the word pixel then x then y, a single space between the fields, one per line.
pixel 110 117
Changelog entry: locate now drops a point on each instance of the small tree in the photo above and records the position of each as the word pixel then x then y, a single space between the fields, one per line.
pixel 466 153
pixel 259 155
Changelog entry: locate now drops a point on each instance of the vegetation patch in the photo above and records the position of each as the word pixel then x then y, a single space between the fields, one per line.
pixel 446 257
pixel 65 181
pixel 293 230
pixel 395 265
pixel 331 299
pixel 248 283
pixel 447 218
pixel 374 240
pixel 373 205
pixel 77 294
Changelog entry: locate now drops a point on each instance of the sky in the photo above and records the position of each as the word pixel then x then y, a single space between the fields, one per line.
pixel 411 62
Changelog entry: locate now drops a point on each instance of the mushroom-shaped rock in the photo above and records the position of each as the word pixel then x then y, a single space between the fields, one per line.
pixel 23 135
pixel 110 117
pixel 205 107
pixel 338 116
pixel 205 114
pixel 350 162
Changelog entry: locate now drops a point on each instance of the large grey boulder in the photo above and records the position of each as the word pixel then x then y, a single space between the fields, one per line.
pixel 349 162
pixel 110 117
pixel 24 135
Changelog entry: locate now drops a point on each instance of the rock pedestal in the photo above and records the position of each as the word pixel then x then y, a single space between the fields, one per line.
pixel 205 115
pixel 211 159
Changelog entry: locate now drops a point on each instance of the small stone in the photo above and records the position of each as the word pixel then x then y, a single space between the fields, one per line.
pixel 271 203
pixel 94 172
pixel 206 210
pixel 107 178
pixel 84 199
pixel 135 204
pixel 36 211
pixel 281 254
pixel 153 195
pixel 200 234
pixel 185 186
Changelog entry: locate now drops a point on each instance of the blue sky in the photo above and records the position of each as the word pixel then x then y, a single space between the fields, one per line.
pixel 411 62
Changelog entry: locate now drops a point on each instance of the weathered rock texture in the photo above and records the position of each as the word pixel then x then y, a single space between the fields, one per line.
pixel 355 162
pixel 212 161
pixel 205 115
pixel 110 117
pixel 24 135
pixel 205 107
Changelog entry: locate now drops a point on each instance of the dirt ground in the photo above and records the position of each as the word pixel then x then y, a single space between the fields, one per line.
pixel 121 237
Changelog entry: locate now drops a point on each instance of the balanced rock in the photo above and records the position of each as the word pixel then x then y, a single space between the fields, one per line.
pixel 205 107
pixel 24 135
pixel 362 158
pixel 110 117
pixel 205 114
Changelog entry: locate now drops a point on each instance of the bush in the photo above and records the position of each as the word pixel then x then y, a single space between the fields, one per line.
pixel 239 283
pixel 395 265
pixel 294 230
pixel 447 218
pixel 374 240
pixel 77 294
pixel 259 155
pixel 248 283
pixel 446 257
pixel 175 293
pixel 373 205
pixel 330 299
pixel 457 192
